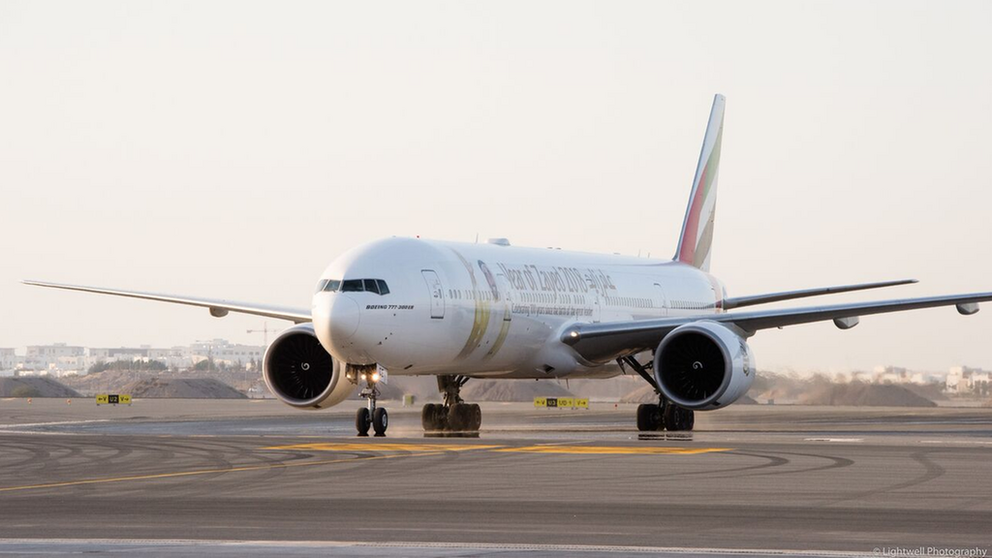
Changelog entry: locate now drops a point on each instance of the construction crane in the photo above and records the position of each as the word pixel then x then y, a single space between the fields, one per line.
pixel 265 331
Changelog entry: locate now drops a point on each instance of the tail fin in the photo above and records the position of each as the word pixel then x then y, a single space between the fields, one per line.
pixel 697 228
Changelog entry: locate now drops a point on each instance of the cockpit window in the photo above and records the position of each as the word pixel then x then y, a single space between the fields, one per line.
pixel 352 286
pixel 371 286
pixel 321 285
pixel 377 286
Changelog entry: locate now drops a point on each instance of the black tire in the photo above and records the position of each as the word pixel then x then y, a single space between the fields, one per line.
pixel 380 421
pixel 649 418
pixel 642 418
pixel 428 417
pixel 362 421
pixel 678 419
pixel 457 417
pixel 656 418
pixel 440 417
pixel 672 418
pixel 476 417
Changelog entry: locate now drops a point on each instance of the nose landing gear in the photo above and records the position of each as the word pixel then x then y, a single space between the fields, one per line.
pixel 371 416
pixel 454 415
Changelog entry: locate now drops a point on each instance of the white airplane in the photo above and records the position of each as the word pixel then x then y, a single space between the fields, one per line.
pixel 409 306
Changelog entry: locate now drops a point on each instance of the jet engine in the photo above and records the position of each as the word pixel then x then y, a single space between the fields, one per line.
pixel 703 366
pixel 301 373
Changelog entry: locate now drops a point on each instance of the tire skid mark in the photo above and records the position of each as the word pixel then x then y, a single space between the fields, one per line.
pixel 29 450
pixel 931 470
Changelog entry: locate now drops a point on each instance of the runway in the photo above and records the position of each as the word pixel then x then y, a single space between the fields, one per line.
pixel 167 477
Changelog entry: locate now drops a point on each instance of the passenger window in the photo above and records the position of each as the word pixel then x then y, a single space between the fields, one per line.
pixel 383 289
pixel 371 286
pixel 352 286
pixel 332 285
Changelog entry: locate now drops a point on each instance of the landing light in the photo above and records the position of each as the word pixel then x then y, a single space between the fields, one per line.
pixel 361 377
pixel 375 376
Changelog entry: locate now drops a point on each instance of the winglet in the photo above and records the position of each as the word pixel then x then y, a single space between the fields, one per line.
pixel 696 237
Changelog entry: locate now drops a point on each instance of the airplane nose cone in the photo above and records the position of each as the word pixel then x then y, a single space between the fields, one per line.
pixel 335 320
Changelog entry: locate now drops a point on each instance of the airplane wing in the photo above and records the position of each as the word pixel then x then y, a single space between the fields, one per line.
pixel 218 308
pixel 740 301
pixel 601 342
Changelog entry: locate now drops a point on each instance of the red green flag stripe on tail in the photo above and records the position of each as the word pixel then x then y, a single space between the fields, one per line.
pixel 697 229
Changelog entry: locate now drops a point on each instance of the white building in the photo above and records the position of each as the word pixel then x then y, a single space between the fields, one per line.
pixel 175 357
pixel 50 357
pixel 890 375
pixel 222 351
pixel 962 379
pixel 8 360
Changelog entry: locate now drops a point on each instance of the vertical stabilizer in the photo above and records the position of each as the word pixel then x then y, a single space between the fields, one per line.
pixel 697 228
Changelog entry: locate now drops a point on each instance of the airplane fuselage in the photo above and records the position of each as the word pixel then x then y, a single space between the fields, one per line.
pixel 491 309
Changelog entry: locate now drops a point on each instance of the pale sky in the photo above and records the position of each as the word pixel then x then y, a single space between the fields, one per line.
pixel 233 149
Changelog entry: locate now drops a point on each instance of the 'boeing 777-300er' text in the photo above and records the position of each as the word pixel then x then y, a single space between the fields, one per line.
pixel 409 306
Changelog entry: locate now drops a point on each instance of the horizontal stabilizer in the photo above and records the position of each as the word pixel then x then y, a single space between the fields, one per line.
pixel 740 301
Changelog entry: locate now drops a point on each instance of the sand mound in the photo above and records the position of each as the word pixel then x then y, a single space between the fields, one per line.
pixel 511 390
pixel 34 387
pixel 865 395
pixel 191 388
pixel 109 381
pixel 643 394
pixel 646 394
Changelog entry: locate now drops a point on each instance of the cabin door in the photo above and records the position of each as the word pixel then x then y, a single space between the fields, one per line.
pixel 437 293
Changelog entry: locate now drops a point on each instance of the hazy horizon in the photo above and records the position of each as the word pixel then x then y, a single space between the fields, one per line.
pixel 233 149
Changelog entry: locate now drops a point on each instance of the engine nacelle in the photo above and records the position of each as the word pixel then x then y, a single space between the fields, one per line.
pixel 301 373
pixel 703 366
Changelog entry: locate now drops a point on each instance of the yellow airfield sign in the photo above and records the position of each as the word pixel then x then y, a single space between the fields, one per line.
pixel 113 399
pixel 562 402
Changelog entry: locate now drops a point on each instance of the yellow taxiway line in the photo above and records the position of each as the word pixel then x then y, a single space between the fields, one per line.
pixel 323 446
pixel 612 450
pixel 392 450
pixel 581 450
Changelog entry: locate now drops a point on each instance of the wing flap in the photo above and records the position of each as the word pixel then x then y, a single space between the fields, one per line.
pixel 218 308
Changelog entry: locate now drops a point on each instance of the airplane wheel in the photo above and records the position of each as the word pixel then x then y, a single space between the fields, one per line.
pixel 440 417
pixel 380 420
pixel 362 421
pixel 476 415
pixel 649 418
pixel 458 417
pixel 428 417
pixel 678 419
pixel 642 418
pixel 672 418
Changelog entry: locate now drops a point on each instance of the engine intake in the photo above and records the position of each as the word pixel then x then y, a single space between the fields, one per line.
pixel 703 366
pixel 301 373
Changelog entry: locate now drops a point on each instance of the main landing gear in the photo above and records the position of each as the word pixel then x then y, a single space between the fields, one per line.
pixel 371 416
pixel 454 415
pixel 664 415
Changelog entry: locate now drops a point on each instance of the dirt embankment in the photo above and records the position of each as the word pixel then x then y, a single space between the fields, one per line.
pixel 865 395
pixel 512 390
pixel 184 388
pixel 646 394
pixel 34 387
